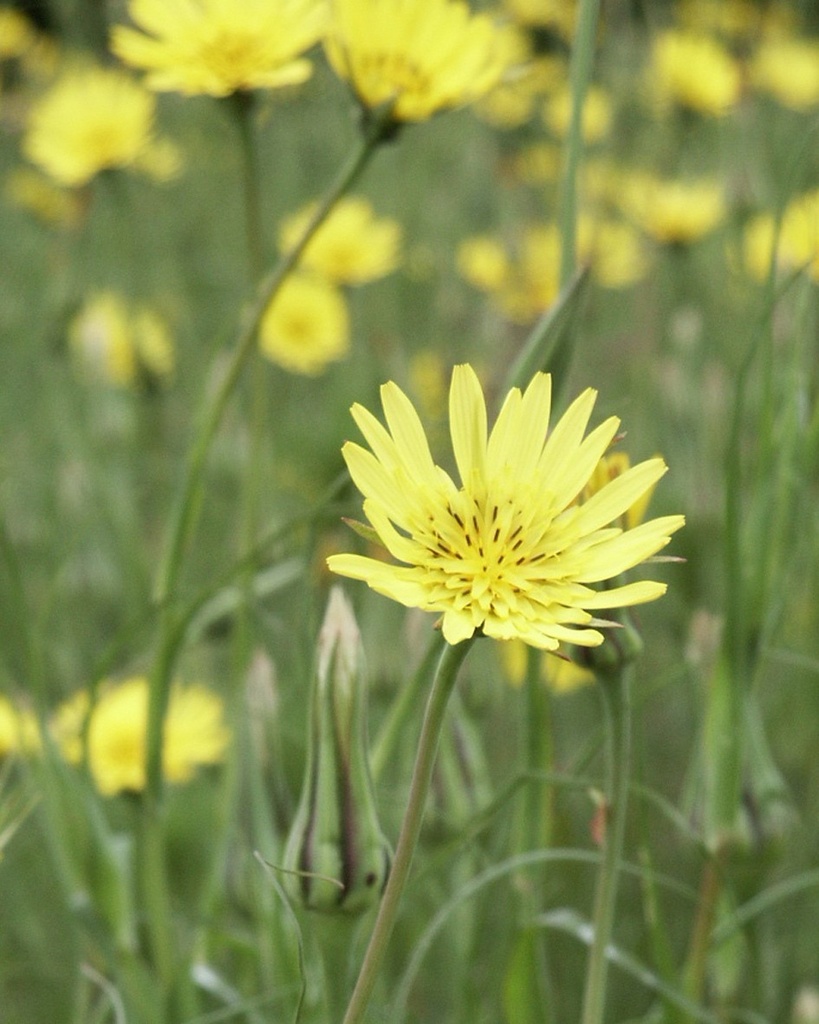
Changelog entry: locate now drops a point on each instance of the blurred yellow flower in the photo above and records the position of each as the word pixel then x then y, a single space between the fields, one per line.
pixel 19 731
pixel 510 103
pixel 534 278
pixel 306 326
pixel 428 381
pixel 352 246
pixel 195 734
pixel 797 246
pixel 219 47
pixel 733 18
pixel 522 284
pixel 788 70
pixel 675 212
pixel 17 33
pixel 560 674
pixel 90 120
pixel 595 120
pixel 509 552
pixel 421 57
pixel 614 250
pixel 41 196
pixel 482 261
pixel 538 163
pixel 116 343
pixel 693 71
pixel 557 16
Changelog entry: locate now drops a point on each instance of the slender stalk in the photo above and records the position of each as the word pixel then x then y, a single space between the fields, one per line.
pixel 442 686
pixel 616 691
pixel 183 519
pixel 710 891
pixel 579 74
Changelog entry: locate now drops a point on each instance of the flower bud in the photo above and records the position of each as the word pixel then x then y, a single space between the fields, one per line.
pixel 336 848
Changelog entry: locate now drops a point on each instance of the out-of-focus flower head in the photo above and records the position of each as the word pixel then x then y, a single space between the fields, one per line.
pixel 417 58
pixel 428 380
pixel 523 281
pixel 510 552
pixel 560 674
pixel 117 343
pixel 19 731
pixel 539 163
pixel 694 72
pixel 614 250
pixel 17 34
pixel 797 246
pixel 675 212
pixel 93 119
pixel 788 70
pixel 556 16
pixel 511 102
pixel 306 326
pixel 220 47
pixel 116 733
pixel 37 193
pixel 595 120
pixel 351 247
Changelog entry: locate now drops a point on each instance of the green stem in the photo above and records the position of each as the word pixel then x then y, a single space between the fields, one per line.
pixel 442 686
pixel 243 106
pixel 185 514
pixel 580 76
pixel 183 519
pixel 616 691
pixel 156 896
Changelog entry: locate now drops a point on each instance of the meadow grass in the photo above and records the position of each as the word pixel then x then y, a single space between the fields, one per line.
pixel 166 902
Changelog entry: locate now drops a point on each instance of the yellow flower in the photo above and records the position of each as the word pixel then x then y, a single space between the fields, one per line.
pixel 482 261
pixel 609 468
pixel 352 246
pixel 90 120
pixel 788 69
pixel 534 280
pixel 220 47
pixel 541 162
pixel 306 326
pixel 677 212
pixel 521 285
pixel 509 104
pixel 694 71
pixel 117 732
pixel 19 732
pixel 614 250
pixel 16 33
pixel 560 674
pixel 509 552
pixel 38 194
pixel 798 244
pixel 114 342
pixel 558 16
pixel 422 56
pixel 595 120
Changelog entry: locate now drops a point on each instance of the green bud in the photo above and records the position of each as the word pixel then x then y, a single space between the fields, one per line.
pixel 621 647
pixel 336 848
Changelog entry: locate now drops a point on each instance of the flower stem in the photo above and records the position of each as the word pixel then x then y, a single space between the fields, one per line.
pixel 442 686
pixel 183 519
pixel 616 690
pixel 580 74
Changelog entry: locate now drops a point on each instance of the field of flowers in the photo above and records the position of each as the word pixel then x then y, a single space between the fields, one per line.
pixel 409 511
